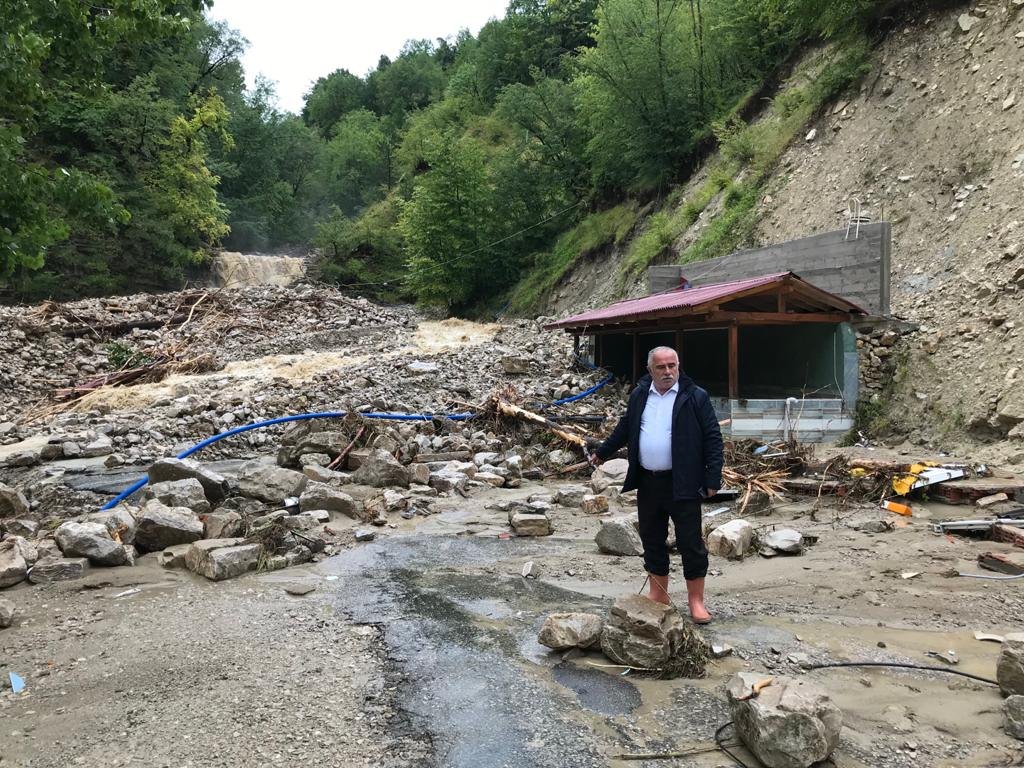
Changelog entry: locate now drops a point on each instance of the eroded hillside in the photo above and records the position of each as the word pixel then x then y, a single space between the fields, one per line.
pixel 930 138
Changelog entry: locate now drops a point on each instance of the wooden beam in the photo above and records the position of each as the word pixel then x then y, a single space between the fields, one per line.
pixel 679 345
pixel 778 318
pixel 636 357
pixel 734 362
pixel 780 298
pixel 599 350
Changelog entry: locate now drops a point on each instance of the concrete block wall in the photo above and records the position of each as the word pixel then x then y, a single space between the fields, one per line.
pixel 856 269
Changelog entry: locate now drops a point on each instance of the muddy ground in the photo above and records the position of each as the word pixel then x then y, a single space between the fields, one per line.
pixel 419 649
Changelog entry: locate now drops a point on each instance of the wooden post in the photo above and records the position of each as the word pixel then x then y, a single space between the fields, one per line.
pixel 679 346
pixel 636 357
pixel 734 362
pixel 599 350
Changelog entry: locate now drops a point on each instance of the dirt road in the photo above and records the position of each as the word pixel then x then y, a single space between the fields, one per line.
pixel 419 649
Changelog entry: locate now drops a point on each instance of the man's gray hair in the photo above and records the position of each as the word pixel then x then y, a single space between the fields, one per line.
pixel 656 350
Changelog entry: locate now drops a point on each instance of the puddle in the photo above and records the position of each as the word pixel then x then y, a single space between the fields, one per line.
pixel 606 694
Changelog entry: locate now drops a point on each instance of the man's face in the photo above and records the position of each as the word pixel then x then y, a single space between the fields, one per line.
pixel 664 370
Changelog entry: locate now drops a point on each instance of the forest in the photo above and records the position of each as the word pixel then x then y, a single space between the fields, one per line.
pixel 464 173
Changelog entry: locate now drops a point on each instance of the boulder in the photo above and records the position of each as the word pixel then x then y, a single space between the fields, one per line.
pixel 642 633
pixel 222 525
pixel 614 470
pixel 58 569
pixel 525 524
pixel 13 566
pixel 1013 709
pixel 419 474
pixel 1010 668
pixel 618 536
pixel 119 521
pixel 571 630
pixel 731 540
pixel 490 478
pixel 20 527
pixel 447 480
pixel 594 505
pixel 486 457
pixel 99 446
pixel 173 557
pixel 785 540
pixel 215 485
pixel 91 540
pixel 570 495
pixel 219 559
pixel 12 502
pixel 269 483
pixel 561 457
pixel 381 470
pixel 160 527
pixel 318 496
pixel 7 611
pixel 188 492
pixel 789 724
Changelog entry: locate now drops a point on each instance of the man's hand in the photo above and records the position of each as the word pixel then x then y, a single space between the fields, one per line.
pixel 593 458
pixel 710 493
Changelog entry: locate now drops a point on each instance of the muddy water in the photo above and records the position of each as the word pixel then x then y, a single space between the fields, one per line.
pixel 233 269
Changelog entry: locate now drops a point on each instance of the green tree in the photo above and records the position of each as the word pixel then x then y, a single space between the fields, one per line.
pixel 332 97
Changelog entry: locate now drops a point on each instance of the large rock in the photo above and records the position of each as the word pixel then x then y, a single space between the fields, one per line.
pixel 119 521
pixel 91 540
pixel 447 480
pixel 215 485
pixel 1010 669
pixel 785 540
pixel 381 470
pixel 525 524
pixel 58 569
pixel 7 611
pixel 618 536
pixel 160 527
pixel 319 496
pixel 731 540
pixel 222 525
pixel 219 559
pixel 789 724
pixel 19 526
pixel 642 633
pixel 594 504
pixel 173 557
pixel 270 483
pixel 571 630
pixel 12 502
pixel 188 492
pixel 13 565
pixel 312 436
pixel 570 495
pixel 614 470
pixel 1013 712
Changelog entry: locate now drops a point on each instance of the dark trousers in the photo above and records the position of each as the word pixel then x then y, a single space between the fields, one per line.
pixel 655 506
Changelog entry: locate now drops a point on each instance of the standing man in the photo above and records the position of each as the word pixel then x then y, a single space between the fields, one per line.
pixel 675 460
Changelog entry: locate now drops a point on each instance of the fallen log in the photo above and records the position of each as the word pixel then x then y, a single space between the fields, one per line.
pixel 119 329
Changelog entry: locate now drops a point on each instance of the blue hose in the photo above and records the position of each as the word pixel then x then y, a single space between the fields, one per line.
pixel 141 482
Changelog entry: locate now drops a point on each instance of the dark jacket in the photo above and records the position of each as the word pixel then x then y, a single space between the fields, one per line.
pixel 696 440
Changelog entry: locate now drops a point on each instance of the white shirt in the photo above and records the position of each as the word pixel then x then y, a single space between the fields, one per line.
pixel 656 429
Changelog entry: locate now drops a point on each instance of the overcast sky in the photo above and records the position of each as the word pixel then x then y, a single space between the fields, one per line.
pixel 297 41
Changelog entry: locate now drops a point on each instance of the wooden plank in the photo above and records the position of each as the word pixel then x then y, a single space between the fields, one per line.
pixel 679 345
pixel 734 362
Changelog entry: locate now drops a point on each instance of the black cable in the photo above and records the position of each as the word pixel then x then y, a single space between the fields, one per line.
pixel 947 670
pixel 725 749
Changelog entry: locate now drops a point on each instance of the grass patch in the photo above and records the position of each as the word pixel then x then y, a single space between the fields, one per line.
pixel 596 231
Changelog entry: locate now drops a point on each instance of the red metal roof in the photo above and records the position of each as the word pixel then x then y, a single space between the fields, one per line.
pixel 683 298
